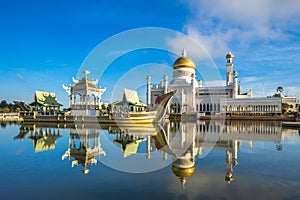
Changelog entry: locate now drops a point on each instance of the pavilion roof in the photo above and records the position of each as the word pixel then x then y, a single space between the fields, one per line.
pixel 44 99
pixel 85 84
pixel 130 97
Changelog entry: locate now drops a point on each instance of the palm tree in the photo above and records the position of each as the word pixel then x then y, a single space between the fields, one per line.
pixel 279 89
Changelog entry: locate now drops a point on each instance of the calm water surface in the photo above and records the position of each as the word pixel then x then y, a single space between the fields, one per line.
pixel 208 160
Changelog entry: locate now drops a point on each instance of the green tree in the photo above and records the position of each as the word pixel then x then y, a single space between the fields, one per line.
pixel 109 107
pixel 6 110
pixel 276 95
pixel 103 107
pixel 278 92
pixel 3 104
pixel 279 89
pixel 285 107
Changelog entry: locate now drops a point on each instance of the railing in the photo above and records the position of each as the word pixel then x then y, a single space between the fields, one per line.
pixel 83 107
pixel 9 116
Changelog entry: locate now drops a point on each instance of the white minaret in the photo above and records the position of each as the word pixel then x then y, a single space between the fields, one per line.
pixel 148 91
pixel 148 156
pixel 200 82
pixel 165 84
pixel 193 92
pixel 229 66
pixel 235 84
pixel 229 171
pixel 235 153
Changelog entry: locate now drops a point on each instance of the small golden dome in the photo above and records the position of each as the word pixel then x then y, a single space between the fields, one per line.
pixel 184 62
pixel 229 55
pixel 229 179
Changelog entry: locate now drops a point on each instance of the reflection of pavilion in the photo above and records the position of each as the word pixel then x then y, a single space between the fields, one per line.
pixel 129 138
pixel 181 141
pixel 186 140
pixel 84 146
pixel 43 139
pixel 128 143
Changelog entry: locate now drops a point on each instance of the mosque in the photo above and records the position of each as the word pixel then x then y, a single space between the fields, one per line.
pixel 193 98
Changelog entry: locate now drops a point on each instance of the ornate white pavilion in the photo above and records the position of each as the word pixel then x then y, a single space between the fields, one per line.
pixel 84 96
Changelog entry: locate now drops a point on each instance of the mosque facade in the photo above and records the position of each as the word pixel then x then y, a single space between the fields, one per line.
pixel 194 98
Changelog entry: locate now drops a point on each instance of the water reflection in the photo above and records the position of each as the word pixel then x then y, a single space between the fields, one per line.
pixel 84 146
pixel 4 124
pixel 42 138
pixel 181 142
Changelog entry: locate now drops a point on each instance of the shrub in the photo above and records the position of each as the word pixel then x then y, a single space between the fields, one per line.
pixel 6 110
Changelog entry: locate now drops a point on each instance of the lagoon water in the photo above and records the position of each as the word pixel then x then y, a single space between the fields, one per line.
pixel 203 160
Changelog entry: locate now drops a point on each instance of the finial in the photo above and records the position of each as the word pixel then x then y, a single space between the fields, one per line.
pixel 183 181
pixel 85 72
pixel 184 53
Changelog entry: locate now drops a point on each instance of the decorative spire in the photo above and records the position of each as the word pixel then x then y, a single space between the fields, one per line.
pixel 184 53
pixel 183 181
pixel 85 72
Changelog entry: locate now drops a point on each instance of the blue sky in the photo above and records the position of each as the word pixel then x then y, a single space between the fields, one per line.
pixel 44 43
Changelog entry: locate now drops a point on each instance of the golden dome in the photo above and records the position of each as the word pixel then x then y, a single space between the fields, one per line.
pixel 229 55
pixel 184 62
pixel 183 173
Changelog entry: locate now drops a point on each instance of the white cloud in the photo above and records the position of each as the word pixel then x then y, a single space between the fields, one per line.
pixel 260 33
pixel 216 45
pixel 262 15
pixel 218 24
pixel 249 79
pixel 292 91
pixel 193 47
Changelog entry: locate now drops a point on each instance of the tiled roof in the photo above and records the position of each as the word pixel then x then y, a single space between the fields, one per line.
pixel 45 99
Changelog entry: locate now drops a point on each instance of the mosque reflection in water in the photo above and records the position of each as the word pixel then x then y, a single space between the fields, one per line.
pixel 181 141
